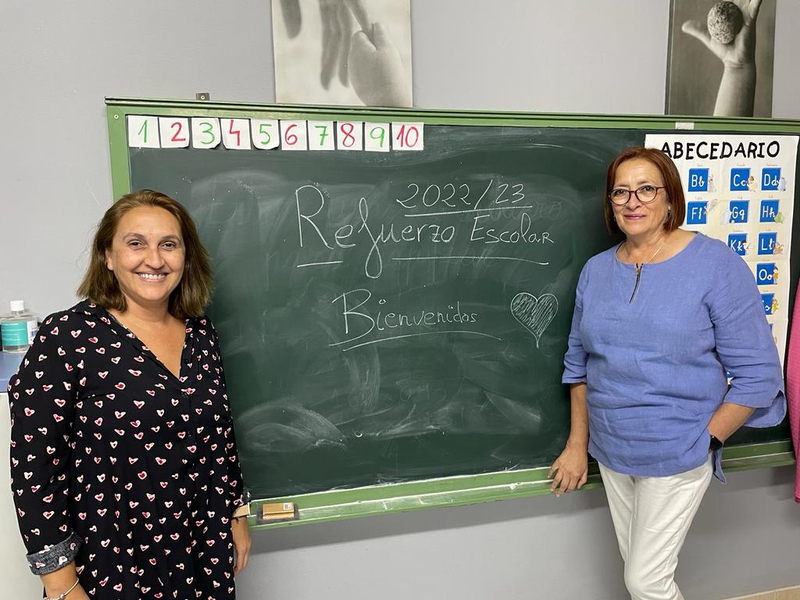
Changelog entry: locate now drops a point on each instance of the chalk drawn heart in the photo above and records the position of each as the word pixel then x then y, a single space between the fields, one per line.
pixel 534 313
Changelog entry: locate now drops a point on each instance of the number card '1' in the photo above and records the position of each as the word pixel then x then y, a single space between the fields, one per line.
pixel 408 136
pixel 143 132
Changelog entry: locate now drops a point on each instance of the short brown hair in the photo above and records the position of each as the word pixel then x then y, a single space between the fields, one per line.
pixel 672 185
pixel 100 285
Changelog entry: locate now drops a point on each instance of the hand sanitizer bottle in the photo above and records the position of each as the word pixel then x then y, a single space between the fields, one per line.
pixel 18 328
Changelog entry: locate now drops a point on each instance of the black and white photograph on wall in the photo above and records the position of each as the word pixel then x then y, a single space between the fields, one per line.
pixel 342 52
pixel 721 56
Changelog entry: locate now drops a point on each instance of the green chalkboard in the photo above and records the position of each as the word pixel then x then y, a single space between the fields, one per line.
pixel 399 317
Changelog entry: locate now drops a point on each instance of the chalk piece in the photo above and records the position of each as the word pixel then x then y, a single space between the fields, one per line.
pixel 273 512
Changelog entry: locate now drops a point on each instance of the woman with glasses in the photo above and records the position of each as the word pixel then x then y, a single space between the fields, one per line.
pixel 669 354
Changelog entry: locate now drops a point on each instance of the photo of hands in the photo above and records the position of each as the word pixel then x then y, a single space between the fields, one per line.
pixel 721 55
pixel 342 52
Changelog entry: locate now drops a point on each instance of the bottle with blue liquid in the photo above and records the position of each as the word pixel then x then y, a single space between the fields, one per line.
pixel 18 328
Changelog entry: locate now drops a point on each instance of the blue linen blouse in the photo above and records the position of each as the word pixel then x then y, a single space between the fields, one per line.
pixel 656 364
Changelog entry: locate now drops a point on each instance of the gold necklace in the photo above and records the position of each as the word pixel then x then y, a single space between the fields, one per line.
pixel 652 256
pixel 638 268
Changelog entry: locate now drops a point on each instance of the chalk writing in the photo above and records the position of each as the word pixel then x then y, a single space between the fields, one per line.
pixel 534 313
pixel 358 323
pixel 314 234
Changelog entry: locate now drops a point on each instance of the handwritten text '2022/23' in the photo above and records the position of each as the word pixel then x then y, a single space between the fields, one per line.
pixel 512 218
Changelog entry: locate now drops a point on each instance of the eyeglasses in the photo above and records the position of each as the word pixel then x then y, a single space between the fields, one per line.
pixel 645 194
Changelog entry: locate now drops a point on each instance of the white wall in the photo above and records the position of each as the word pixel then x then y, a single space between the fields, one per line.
pixel 746 538
pixel 58 62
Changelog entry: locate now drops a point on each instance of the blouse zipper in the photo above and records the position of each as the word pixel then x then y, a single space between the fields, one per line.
pixel 636 285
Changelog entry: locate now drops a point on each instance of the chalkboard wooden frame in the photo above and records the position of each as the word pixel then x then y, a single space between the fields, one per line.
pixel 460 489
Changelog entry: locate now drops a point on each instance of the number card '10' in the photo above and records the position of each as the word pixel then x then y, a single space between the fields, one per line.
pixel 268 134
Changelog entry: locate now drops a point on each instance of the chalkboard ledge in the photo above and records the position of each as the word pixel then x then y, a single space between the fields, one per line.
pixel 472 489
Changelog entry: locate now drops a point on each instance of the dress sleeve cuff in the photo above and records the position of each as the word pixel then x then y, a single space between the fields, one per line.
pixel 770 415
pixel 54 557
pixel 241 506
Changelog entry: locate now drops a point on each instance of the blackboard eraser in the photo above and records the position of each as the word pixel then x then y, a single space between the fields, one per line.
pixel 275 512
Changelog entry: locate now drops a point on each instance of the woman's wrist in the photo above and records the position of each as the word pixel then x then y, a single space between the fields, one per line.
pixel 64 594
pixel 60 584
pixel 577 446
pixel 241 511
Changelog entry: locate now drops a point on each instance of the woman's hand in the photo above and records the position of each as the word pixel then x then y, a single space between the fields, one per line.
pixel 241 543
pixel 569 470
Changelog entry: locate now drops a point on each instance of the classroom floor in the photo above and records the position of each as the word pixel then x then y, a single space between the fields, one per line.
pixel 792 593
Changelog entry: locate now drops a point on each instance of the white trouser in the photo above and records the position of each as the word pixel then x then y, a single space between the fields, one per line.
pixel 651 518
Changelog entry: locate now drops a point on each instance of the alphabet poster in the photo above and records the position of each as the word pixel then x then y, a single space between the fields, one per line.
pixel 740 189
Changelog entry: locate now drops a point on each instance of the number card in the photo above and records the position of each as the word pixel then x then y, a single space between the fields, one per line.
pixel 265 133
pixel 320 135
pixel 142 132
pixel 349 135
pixel 236 134
pixel 294 135
pixel 408 136
pixel 174 132
pixel 206 132
pixel 376 137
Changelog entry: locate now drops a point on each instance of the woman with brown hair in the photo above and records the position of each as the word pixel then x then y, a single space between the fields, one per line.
pixel 669 353
pixel 125 472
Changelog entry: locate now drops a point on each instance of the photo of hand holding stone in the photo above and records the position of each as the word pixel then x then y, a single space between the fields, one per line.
pixel 353 50
pixel 376 69
pixel 730 33
pixel 337 27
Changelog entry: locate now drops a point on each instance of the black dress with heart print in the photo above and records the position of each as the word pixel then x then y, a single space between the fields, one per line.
pixel 120 465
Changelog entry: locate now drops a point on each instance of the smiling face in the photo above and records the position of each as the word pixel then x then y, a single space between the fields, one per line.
pixel 147 256
pixel 637 220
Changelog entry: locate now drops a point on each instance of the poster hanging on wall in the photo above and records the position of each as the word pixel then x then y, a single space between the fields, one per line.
pixel 740 189
pixel 343 52
pixel 720 58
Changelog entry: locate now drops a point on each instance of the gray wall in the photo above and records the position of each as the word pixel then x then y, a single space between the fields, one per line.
pixel 59 62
